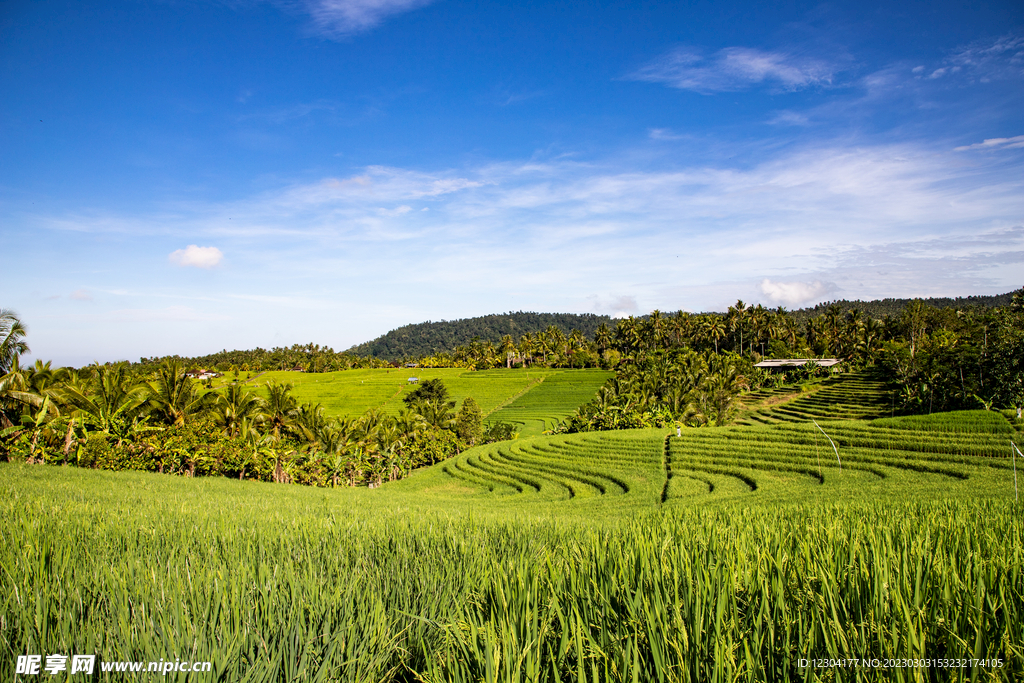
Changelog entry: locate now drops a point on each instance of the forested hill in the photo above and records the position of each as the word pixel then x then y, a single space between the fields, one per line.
pixel 422 339
pixel 880 308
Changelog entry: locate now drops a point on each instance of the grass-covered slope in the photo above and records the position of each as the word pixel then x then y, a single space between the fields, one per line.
pixel 853 396
pixel 544 405
pixel 785 462
pixel 535 398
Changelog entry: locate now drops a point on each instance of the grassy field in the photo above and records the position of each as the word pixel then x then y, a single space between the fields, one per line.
pixel 546 404
pixel 721 554
pixel 538 399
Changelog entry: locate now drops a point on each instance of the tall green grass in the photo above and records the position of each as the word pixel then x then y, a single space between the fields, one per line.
pixel 272 583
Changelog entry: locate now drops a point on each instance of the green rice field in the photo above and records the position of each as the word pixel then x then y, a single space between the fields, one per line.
pixel 537 399
pixel 798 547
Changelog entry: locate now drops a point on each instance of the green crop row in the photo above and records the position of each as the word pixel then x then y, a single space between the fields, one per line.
pixel 332 586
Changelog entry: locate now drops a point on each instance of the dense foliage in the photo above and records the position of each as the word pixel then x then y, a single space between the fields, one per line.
pixel 429 338
pixel 881 308
pixel 115 417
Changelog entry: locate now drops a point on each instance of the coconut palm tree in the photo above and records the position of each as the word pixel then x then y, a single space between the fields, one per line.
pixel 526 347
pixel 111 401
pixel 603 338
pixel 175 397
pixel 713 329
pixel 236 409
pixel 16 395
pixel 281 408
pixel 12 340
pixel 508 348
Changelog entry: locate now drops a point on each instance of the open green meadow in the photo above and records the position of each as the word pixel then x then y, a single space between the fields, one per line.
pixel 721 554
pixel 534 398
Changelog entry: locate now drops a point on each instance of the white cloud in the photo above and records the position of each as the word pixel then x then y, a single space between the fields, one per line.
pixel 995 143
pixel 196 257
pixel 81 295
pixel 735 68
pixel 795 293
pixel 616 306
pixel 338 18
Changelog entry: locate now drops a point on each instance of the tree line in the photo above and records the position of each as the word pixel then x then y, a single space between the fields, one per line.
pixel 116 416
pixel 306 357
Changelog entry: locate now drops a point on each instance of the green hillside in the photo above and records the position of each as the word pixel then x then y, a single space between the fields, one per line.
pixel 881 308
pixel 422 339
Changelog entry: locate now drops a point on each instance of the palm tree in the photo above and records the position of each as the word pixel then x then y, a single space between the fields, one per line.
pixel 736 319
pixel 526 347
pixel 657 328
pixel 12 340
pixel 508 347
pixel 713 329
pixel 281 408
pixel 437 413
pixel 174 396
pixel 237 409
pixel 679 324
pixel 16 395
pixel 310 424
pixel 627 334
pixel 111 401
pixel 603 338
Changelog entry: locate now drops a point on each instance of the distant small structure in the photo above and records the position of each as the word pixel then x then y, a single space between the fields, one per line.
pixel 414 379
pixel 202 374
pixel 411 365
pixel 789 363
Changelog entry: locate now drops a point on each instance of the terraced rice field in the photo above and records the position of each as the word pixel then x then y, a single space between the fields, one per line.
pixel 854 396
pixel 785 452
pixel 537 399
pixel 558 396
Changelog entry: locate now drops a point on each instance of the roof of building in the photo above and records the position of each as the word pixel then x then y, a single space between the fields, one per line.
pixel 796 362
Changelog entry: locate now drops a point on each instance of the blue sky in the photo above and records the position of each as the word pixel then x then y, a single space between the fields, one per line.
pixel 182 177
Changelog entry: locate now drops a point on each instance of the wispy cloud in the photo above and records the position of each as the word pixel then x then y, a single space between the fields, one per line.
pixel 789 118
pixel 995 143
pixel 340 18
pixel 81 295
pixel 735 68
pixel 664 134
pixel 981 61
pixel 1002 57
